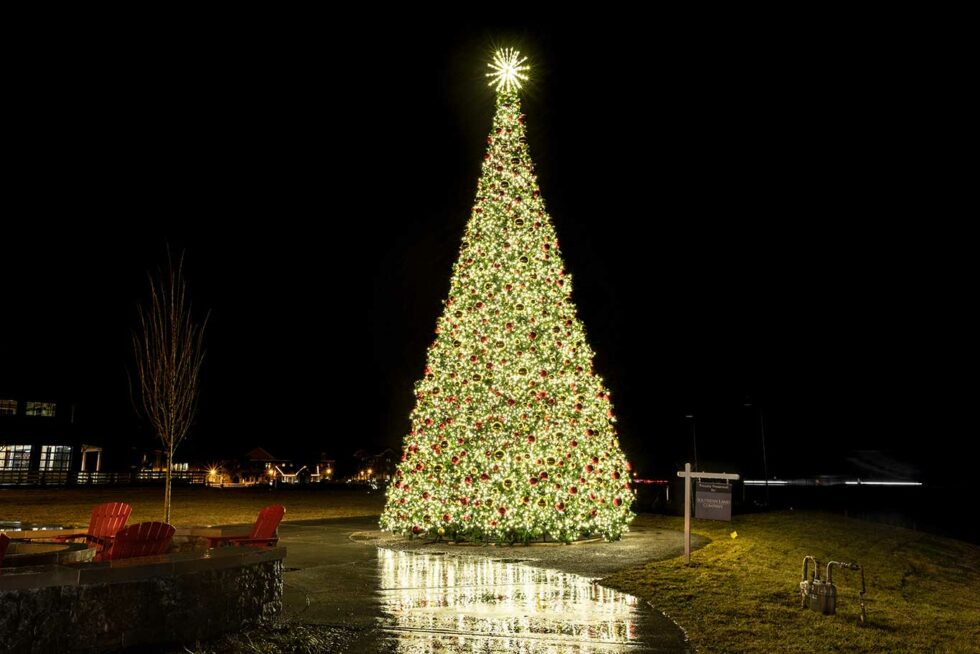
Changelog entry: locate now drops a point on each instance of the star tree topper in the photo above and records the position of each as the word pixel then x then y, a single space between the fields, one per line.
pixel 508 70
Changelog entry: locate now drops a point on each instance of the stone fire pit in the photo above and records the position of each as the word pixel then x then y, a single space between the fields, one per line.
pixel 72 603
pixel 21 553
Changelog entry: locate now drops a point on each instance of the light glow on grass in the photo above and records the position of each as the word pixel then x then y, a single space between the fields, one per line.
pixel 921 588
pixel 856 482
pixel 882 483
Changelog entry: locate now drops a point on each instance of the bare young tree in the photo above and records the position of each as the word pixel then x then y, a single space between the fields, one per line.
pixel 169 349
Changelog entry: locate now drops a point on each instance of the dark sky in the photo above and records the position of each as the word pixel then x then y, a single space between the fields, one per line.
pixel 765 215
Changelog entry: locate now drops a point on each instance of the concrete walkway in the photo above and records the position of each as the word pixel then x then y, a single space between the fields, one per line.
pixel 411 597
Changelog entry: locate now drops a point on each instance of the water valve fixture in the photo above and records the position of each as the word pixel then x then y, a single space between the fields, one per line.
pixel 820 594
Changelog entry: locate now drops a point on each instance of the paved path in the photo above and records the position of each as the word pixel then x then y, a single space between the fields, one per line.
pixel 387 595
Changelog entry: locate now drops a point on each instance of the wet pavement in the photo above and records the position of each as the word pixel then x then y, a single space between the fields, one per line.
pixel 344 574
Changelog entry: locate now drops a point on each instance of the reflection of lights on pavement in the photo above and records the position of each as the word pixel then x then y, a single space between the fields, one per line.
pixel 474 604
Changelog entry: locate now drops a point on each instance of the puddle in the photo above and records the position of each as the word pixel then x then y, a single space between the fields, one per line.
pixel 451 604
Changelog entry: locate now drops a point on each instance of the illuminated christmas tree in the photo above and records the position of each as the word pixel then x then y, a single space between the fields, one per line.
pixel 513 435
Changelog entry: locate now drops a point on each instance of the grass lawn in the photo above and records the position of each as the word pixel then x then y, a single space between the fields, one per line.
pixel 191 506
pixel 741 595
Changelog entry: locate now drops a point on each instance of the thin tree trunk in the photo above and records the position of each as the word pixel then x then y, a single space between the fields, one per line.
pixel 166 492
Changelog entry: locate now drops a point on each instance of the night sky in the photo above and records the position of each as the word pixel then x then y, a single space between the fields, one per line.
pixel 762 217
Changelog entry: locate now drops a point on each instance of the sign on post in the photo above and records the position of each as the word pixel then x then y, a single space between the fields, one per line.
pixel 713 501
pixel 688 476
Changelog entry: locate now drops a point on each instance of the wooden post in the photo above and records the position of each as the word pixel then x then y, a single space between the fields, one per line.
pixel 688 475
pixel 687 513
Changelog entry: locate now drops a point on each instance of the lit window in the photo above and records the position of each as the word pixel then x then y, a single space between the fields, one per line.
pixel 8 407
pixel 55 457
pixel 45 409
pixel 15 457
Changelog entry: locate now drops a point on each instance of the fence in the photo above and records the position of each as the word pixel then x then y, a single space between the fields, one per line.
pixel 63 478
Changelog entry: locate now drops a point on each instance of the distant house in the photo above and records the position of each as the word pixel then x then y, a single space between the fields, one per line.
pixel 155 460
pixel 375 467
pixel 40 442
pixel 258 466
pixel 323 469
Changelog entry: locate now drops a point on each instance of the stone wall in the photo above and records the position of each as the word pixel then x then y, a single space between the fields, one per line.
pixel 96 607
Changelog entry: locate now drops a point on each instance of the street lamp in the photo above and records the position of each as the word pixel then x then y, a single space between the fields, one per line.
pixel 694 438
pixel 762 432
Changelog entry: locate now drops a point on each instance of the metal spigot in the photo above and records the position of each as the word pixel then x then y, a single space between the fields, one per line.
pixel 849 566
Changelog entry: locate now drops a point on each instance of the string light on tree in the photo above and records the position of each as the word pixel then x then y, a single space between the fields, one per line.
pixel 513 434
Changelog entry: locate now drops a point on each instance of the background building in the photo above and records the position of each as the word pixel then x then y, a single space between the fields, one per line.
pixel 40 442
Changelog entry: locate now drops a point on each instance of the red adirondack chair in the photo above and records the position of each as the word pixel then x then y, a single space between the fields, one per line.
pixel 4 541
pixel 107 520
pixel 142 539
pixel 264 532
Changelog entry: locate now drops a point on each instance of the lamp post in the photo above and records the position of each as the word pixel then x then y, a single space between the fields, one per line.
pixel 694 438
pixel 762 432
